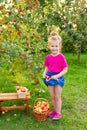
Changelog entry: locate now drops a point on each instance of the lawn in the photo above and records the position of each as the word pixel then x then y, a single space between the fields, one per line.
pixel 74 98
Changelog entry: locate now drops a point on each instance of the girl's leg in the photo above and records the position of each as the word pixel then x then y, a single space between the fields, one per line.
pixel 52 94
pixel 58 101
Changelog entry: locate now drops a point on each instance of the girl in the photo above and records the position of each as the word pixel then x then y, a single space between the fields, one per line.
pixel 55 67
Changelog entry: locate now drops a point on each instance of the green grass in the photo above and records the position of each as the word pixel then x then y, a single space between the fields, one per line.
pixel 74 98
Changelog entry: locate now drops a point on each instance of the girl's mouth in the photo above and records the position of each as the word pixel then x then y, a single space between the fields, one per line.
pixel 54 50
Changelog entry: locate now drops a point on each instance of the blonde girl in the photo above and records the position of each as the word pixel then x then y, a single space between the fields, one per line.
pixel 53 76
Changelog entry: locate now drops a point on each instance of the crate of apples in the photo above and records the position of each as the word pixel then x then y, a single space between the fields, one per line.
pixel 22 91
pixel 41 110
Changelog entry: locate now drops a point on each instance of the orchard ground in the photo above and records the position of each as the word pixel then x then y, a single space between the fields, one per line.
pixel 74 96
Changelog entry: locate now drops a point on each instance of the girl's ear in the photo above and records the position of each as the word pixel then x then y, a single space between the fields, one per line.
pixel 48 46
pixel 48 43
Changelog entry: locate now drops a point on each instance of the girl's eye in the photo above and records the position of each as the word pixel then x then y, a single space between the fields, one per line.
pixel 54 46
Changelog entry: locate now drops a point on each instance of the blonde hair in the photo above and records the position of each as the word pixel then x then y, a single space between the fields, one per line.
pixel 55 37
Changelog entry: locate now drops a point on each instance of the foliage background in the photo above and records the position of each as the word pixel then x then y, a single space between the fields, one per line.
pixel 24 29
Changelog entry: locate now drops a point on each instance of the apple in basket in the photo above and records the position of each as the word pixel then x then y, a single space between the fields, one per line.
pixel 17 88
pixel 41 107
pixel 21 89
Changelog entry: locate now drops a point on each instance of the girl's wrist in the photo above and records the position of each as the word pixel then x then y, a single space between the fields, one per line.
pixel 44 76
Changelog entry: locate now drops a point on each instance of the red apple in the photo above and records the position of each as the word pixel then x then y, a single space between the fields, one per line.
pixel 14 20
pixel 21 10
pixel 17 88
pixel 48 77
pixel 23 90
pixel 10 31
pixel 1 31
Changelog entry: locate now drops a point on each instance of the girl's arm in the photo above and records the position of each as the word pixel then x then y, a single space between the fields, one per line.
pixel 64 71
pixel 44 73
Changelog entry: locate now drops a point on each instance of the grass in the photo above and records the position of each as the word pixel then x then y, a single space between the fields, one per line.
pixel 74 97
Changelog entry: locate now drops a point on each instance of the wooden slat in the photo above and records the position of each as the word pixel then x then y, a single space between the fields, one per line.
pixel 12 96
pixel 13 108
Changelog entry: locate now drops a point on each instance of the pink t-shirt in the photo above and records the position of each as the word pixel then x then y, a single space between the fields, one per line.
pixel 55 63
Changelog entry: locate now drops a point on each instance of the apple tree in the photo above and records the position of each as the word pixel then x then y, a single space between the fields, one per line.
pixel 24 28
pixel 71 18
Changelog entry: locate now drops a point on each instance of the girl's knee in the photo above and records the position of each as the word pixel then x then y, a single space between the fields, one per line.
pixel 52 97
pixel 57 98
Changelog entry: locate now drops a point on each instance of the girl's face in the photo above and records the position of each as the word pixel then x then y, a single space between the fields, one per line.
pixel 54 47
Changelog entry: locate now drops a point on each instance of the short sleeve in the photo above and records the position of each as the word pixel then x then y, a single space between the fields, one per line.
pixel 64 62
pixel 46 62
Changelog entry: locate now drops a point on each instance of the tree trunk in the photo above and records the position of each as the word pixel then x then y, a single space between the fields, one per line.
pixel 79 55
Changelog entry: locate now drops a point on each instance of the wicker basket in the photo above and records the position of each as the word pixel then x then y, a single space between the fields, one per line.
pixel 22 94
pixel 41 115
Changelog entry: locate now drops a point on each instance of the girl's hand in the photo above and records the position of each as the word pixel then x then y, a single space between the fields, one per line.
pixel 54 77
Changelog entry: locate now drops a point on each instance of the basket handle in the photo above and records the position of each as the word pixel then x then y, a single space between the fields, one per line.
pixel 40 99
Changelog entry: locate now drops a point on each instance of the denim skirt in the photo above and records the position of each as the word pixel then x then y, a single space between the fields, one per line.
pixel 53 82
